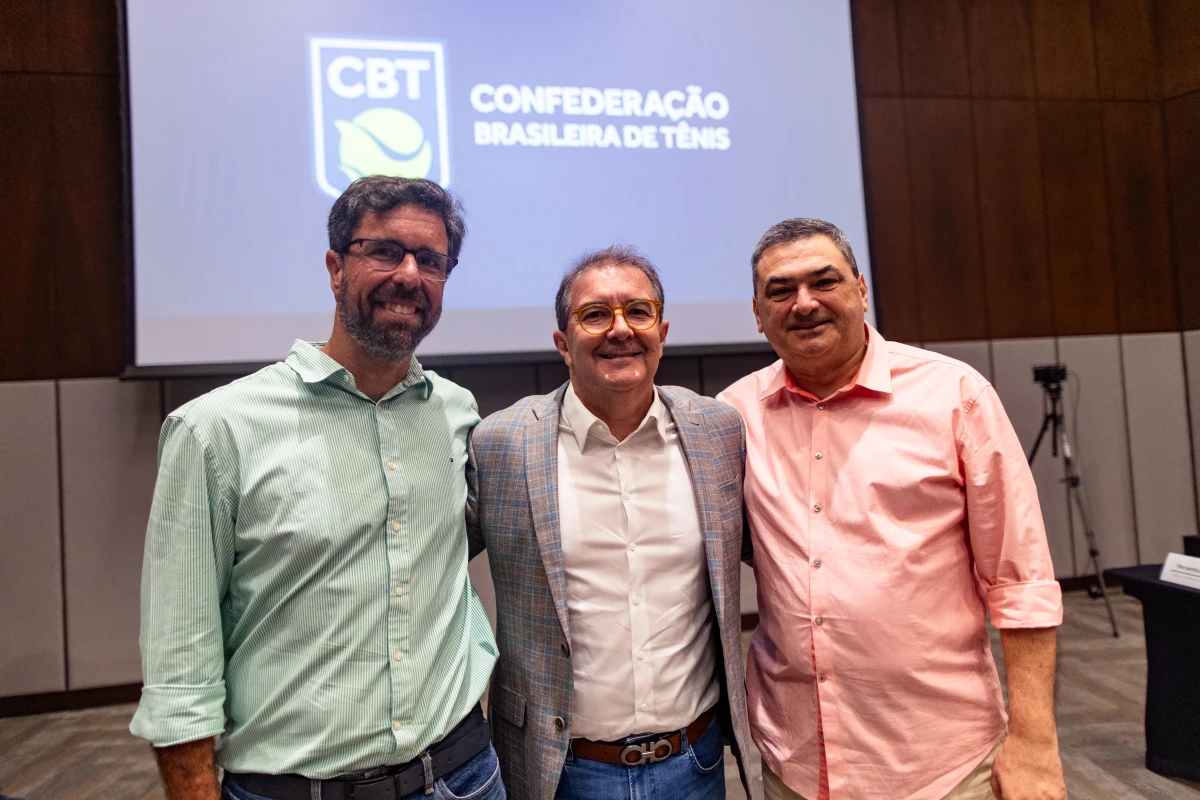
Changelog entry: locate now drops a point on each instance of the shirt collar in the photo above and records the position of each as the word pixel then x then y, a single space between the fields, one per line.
pixel 313 366
pixel 875 372
pixel 583 422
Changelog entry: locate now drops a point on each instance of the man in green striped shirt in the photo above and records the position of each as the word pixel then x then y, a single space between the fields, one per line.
pixel 304 592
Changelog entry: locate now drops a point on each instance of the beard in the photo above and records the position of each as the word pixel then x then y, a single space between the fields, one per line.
pixel 393 343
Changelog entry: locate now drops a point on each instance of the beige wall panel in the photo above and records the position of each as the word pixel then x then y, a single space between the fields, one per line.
pixel 1013 361
pixel 481 578
pixel 1191 355
pixel 977 354
pixel 109 441
pixel 1095 417
pixel 1159 446
pixel 749 591
pixel 31 631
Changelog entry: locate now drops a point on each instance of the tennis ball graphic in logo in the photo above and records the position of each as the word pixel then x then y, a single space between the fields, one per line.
pixel 383 141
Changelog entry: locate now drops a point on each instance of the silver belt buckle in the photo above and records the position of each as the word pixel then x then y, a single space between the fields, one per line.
pixel 635 755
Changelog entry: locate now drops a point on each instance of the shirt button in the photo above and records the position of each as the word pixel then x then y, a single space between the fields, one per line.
pixel 626 496
pixel 817 564
pixel 348 379
pixel 392 464
pixel 399 590
pixel 396 525
pixel 821 678
pixel 399 656
pixel 637 601
pixel 817 455
pixel 559 724
pixel 641 656
pixel 816 507
pixel 396 725
pixel 820 406
pixel 645 707
pixel 633 547
pixel 819 620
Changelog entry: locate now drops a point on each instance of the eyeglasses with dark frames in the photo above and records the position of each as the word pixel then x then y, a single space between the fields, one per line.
pixel 385 255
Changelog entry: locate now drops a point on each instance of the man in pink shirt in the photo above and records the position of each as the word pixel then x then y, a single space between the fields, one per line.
pixel 891 509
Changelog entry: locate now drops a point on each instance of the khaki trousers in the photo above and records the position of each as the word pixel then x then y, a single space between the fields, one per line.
pixel 976 786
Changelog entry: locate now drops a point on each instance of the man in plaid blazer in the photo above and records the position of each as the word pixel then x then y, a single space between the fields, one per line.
pixel 611 510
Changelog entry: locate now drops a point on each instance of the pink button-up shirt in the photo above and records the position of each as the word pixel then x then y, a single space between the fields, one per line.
pixel 887 520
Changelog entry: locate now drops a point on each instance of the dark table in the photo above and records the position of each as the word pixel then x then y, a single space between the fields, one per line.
pixel 1172 616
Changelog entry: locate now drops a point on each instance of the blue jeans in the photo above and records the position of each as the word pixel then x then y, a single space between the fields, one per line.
pixel 697 772
pixel 478 779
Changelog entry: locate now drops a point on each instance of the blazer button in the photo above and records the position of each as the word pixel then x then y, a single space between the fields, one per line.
pixel 559 724
pixel 566 649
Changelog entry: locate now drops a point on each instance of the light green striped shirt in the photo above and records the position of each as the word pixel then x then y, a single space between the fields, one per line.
pixel 304 588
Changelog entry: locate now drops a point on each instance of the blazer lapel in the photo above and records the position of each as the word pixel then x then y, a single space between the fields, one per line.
pixel 700 458
pixel 541 473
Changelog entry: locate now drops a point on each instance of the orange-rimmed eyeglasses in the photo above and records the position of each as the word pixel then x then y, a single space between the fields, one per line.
pixel 599 318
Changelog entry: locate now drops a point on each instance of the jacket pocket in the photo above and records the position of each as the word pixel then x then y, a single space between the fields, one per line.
pixel 510 705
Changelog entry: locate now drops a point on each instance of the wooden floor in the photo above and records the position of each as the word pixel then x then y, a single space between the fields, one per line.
pixel 86 755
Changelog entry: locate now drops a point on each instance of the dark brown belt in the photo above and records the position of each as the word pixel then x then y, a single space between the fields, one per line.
pixel 654 748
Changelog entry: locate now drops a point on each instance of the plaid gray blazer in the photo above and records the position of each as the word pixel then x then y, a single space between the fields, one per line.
pixel 513 509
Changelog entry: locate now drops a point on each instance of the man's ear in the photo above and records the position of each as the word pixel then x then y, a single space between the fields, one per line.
pixel 560 344
pixel 862 288
pixel 336 266
pixel 757 318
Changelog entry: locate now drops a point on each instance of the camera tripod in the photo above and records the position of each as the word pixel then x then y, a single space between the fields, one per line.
pixel 1053 422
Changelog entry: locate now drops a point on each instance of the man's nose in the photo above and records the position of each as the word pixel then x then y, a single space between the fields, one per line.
pixel 806 302
pixel 620 328
pixel 406 273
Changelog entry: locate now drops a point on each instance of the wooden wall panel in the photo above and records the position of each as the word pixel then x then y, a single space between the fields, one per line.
pixel 1183 147
pixel 1013 219
pixel 933 47
pixel 889 221
pixel 1064 54
pixel 1072 148
pixel 945 217
pixel 1000 41
pixel 59 36
pixel 88 265
pixel 1140 224
pixel 1127 62
pixel 27 321
pixel 62 160
pixel 1179 46
pixel 876 46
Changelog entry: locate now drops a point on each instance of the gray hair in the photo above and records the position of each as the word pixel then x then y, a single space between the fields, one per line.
pixel 380 193
pixel 618 255
pixel 798 229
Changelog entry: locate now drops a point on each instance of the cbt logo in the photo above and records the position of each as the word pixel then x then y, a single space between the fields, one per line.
pixel 379 108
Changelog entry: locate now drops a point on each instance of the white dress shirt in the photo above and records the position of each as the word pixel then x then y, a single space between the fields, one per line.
pixel 643 650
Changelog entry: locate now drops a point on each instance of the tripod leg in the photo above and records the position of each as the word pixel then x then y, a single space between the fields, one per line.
pixel 1094 552
pixel 1046 421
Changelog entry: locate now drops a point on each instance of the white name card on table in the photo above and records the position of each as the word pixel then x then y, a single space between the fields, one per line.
pixel 1184 570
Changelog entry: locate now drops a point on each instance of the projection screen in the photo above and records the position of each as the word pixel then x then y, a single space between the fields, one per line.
pixel 682 128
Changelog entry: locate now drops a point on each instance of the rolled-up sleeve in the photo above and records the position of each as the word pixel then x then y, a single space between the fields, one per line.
pixel 1004 519
pixel 188 547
